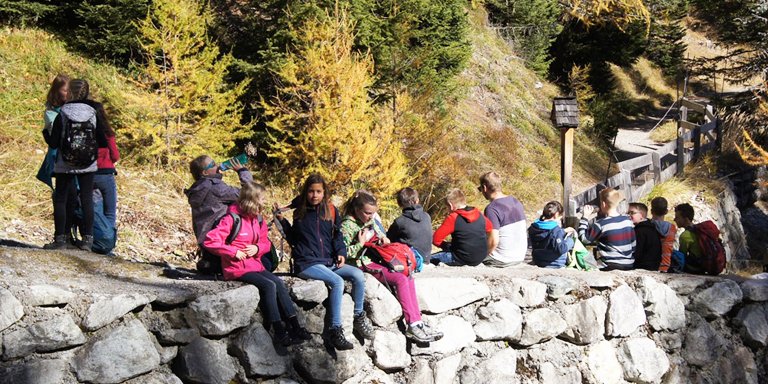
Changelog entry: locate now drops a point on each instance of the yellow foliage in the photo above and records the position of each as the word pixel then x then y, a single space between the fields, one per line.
pixel 322 120
pixel 579 80
pixel 751 152
pixel 189 110
pixel 617 12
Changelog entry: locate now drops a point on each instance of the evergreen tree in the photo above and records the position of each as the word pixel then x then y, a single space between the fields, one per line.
pixel 109 28
pixel 191 109
pixel 665 40
pixel 21 12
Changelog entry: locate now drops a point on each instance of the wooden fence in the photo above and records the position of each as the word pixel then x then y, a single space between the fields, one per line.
pixel 639 175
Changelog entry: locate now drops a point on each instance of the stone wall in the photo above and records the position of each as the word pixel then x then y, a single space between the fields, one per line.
pixel 556 327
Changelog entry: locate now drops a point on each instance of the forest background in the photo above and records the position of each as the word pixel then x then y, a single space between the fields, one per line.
pixel 372 94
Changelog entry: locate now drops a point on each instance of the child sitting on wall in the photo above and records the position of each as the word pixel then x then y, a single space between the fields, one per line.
pixel 614 234
pixel 548 239
pixel 469 233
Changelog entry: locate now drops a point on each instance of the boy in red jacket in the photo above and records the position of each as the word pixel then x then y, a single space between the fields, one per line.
pixel 469 231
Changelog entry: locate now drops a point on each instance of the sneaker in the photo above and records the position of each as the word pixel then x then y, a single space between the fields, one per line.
pixel 337 339
pixel 87 243
pixel 418 334
pixel 59 242
pixel 362 326
pixel 300 334
pixel 436 335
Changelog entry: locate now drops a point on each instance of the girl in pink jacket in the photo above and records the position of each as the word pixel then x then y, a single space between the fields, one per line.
pixel 241 260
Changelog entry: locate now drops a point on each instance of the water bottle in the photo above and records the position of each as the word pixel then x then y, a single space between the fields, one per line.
pixel 227 165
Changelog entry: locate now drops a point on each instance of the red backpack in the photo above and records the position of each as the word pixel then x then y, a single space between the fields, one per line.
pixel 712 252
pixel 397 257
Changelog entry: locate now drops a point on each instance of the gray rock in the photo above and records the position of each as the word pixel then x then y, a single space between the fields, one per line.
pixel 643 361
pixel 598 280
pixel 373 375
pixel 755 289
pixel 585 320
pixel 11 309
pixel 684 285
pixel 558 287
pixel 167 353
pixel 156 377
pixel 281 380
pixel 437 295
pixel 499 368
pixel 458 335
pixel 665 311
pixel 389 350
pixel 384 308
pixel 39 295
pixel 205 361
pixel 177 336
pixel 527 293
pixel 421 373
pixel 35 372
pixel 499 320
pixel 550 374
pixel 753 323
pixel 45 336
pixel 716 300
pixel 116 355
pixel 603 363
pixel 257 353
pixel 309 291
pixel 105 310
pixel 174 297
pixel 670 341
pixel 702 345
pixel 446 369
pixel 738 367
pixel 222 313
pixel 541 325
pixel 625 312
pixel 317 366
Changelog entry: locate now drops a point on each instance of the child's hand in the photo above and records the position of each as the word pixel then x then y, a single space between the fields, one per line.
pixel 361 236
pixel 276 211
pixel 236 165
pixel 251 250
pixel 340 261
pixel 240 255
pixel 588 210
pixel 385 240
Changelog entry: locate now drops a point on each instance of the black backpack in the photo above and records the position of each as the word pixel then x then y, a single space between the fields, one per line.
pixel 210 264
pixel 78 144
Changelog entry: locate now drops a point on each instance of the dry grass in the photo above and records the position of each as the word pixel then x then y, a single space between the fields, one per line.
pixel 644 83
pixel 665 133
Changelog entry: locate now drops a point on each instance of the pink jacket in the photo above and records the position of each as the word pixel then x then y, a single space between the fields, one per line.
pixel 250 233
pixel 108 156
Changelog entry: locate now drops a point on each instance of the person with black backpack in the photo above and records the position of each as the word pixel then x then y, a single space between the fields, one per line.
pixel 78 133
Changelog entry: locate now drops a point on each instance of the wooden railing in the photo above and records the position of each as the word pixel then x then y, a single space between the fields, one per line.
pixel 639 175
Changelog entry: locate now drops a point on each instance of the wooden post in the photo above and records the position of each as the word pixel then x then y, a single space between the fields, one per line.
pixel 626 185
pixel 697 142
pixel 681 141
pixel 656 161
pixel 719 132
pixel 566 167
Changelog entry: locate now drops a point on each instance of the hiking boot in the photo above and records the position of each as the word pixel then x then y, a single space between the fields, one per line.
pixel 418 334
pixel 59 242
pixel 362 326
pixel 286 340
pixel 72 243
pixel 300 334
pixel 337 339
pixel 436 335
pixel 87 243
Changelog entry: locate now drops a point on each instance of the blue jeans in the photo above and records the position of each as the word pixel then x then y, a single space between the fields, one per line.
pixel 275 301
pixel 108 188
pixel 445 257
pixel 334 278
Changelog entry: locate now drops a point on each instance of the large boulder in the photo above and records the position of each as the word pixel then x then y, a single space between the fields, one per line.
pixel 625 312
pixel 585 320
pixel 703 345
pixel 665 310
pixel 57 333
pixel 437 295
pixel 603 364
pixel 318 366
pixel 309 291
pixel 385 310
pixel 499 368
pixel 11 309
pixel 716 300
pixel 684 284
pixel 755 290
pixel 446 369
pixel 541 325
pixel 389 351
pixel 458 335
pixel 35 372
pixel 116 355
pixel 643 361
pixel 738 367
pixel 156 377
pixel 753 323
pixel 499 320
pixel 558 287
pixel 526 293
pixel 550 374
pixel 598 280
pixel 105 310
pixel 421 373
pixel 222 313
pixel 257 353
pixel 39 295
pixel 205 361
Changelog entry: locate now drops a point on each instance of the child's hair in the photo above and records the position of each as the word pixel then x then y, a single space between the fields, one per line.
pixel 407 197
pixel 359 199
pixel 686 211
pixel 611 197
pixel 78 90
pixel 197 166
pixel 456 197
pixel 53 98
pixel 640 207
pixel 659 206
pixel 250 198
pixel 550 210
pixel 324 210
pixel 492 181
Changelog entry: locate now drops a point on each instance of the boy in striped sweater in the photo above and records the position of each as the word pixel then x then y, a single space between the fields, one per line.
pixel 614 234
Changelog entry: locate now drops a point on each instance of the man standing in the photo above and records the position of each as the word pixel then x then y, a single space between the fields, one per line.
pixel 508 241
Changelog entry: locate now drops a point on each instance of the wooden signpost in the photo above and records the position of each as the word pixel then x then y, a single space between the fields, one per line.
pixel 565 117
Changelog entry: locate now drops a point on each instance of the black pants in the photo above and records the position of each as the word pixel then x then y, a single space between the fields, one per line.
pixel 274 295
pixel 65 202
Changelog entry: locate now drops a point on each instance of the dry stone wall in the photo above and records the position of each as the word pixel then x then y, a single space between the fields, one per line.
pixel 559 327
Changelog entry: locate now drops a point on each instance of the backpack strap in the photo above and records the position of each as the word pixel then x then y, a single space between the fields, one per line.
pixel 236 223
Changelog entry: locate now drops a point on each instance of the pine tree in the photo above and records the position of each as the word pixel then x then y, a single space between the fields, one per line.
pixel 191 109
pixel 24 12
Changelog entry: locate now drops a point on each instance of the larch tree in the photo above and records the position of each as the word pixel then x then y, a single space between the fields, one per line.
pixel 599 12
pixel 190 110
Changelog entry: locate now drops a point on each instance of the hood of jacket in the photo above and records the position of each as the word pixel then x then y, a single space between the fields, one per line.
pixel 540 231
pixel 415 213
pixel 663 227
pixel 471 214
pixel 197 191
pixel 646 223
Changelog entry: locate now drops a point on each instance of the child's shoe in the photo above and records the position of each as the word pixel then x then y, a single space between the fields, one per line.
pixel 362 326
pixel 418 334
pixel 59 242
pixel 286 340
pixel 87 243
pixel 436 335
pixel 337 339
pixel 300 334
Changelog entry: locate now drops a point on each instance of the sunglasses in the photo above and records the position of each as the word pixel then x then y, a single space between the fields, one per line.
pixel 213 164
